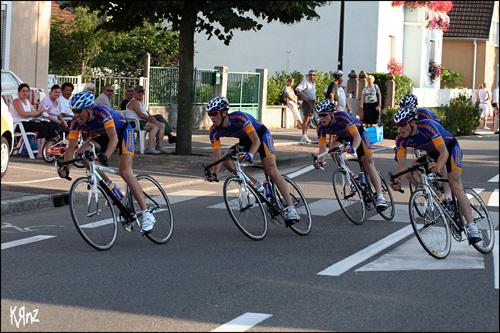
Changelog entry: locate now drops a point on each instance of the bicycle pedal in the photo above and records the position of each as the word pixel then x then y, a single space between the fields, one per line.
pixel 144 233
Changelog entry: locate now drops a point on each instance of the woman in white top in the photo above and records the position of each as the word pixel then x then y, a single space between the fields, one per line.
pixel 484 98
pixel 156 129
pixel 54 108
pixel 33 121
pixel 291 101
pixel 371 103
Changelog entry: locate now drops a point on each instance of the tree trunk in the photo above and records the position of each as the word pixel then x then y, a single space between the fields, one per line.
pixel 185 98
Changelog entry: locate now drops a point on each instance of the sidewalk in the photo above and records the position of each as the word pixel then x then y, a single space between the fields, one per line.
pixel 20 195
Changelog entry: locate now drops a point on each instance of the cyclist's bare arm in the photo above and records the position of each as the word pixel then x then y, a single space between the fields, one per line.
pixel 64 170
pixel 217 156
pixel 113 141
pixel 443 157
pixel 356 142
pixel 397 182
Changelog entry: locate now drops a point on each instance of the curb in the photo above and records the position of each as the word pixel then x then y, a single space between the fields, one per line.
pixel 28 203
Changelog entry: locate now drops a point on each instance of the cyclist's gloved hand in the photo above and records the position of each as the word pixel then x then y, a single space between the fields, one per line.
pixel 248 156
pixel 318 164
pixel 103 159
pixel 63 171
pixel 351 149
pixel 211 176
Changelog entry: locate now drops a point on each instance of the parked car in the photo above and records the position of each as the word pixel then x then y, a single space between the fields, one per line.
pixel 10 83
pixel 7 136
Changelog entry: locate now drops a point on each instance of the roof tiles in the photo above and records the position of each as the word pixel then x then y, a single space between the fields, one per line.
pixel 470 19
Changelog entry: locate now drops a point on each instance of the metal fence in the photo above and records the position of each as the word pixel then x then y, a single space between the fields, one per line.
pixel 243 92
pixel 164 85
pixel 118 83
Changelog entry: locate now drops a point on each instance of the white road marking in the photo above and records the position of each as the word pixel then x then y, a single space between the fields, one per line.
pixel 243 322
pixel 324 207
pixel 493 180
pixel 494 199
pixel 357 258
pixel 401 214
pixel 184 195
pixel 25 241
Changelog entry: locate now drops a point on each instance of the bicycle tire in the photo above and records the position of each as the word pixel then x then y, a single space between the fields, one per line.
pixel 483 222
pixel 432 229
pixel 349 196
pixel 47 157
pixel 158 205
pixel 99 229
pixel 246 210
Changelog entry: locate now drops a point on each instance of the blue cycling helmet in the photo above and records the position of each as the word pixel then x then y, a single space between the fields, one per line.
pixel 409 100
pixel 337 74
pixel 217 104
pixel 326 105
pixel 405 114
pixel 82 100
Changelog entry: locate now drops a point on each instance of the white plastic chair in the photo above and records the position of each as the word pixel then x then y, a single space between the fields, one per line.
pixel 141 134
pixel 23 140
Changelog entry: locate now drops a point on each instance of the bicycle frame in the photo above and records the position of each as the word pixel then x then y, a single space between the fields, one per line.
pixel 245 180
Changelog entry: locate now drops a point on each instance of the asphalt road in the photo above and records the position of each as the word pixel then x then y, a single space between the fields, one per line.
pixel 210 277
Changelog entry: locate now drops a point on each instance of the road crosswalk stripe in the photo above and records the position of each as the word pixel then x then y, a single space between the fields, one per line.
pixel 24 241
pixel 243 322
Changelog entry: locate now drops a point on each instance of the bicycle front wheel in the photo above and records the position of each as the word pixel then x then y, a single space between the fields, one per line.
pixel 349 196
pixel 483 221
pixel 429 224
pixel 48 148
pixel 159 206
pixel 94 217
pixel 303 227
pixel 245 208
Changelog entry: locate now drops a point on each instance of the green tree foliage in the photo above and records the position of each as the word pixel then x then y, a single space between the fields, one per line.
pixel 215 18
pixel 74 44
pixel 77 48
pixel 451 79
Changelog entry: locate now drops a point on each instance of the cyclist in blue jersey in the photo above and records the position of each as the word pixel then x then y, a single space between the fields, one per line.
pixel 254 137
pixel 109 130
pixel 410 100
pixel 443 147
pixel 344 126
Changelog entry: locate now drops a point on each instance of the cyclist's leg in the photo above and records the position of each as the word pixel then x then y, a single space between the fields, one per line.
pixel 271 170
pixel 455 182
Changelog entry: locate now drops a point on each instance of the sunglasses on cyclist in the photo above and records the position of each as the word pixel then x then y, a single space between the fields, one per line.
pixel 213 113
pixel 402 124
pixel 321 115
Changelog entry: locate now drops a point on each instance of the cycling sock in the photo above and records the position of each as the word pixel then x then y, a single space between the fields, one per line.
pixel 471 225
pixel 145 213
pixel 447 197
pixel 291 208
pixel 380 196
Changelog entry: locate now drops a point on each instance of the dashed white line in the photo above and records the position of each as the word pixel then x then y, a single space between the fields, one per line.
pixel 25 241
pixel 243 322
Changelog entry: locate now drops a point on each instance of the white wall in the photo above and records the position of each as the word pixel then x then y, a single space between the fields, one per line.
pixel 312 44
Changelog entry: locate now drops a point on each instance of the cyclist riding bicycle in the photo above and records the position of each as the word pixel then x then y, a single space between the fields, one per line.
pixel 410 100
pixel 440 145
pixel 109 130
pixel 344 126
pixel 254 137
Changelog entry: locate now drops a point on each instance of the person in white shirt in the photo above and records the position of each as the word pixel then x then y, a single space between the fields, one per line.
pixel 105 97
pixel 65 99
pixel 484 98
pixel 292 101
pixel 307 91
pixel 137 110
pixel 53 107
pixel 494 104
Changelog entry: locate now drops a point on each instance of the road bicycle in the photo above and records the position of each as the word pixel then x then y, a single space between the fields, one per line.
pixel 92 204
pixel 354 198
pixel 435 222
pixel 250 209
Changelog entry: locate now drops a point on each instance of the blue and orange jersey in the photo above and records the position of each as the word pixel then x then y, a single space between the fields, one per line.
pixel 343 126
pixel 430 134
pixel 102 118
pixel 240 125
pixel 424 113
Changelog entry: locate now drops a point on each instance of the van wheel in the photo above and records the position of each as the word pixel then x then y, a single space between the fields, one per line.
pixel 5 155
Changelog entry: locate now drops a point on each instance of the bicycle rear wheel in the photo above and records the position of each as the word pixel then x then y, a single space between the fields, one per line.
pixel 349 196
pixel 303 227
pixel 95 221
pixel 432 228
pixel 159 206
pixel 48 147
pixel 483 221
pixel 245 208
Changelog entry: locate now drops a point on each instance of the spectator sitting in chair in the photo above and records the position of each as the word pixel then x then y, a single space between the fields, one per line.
pixel 105 97
pixel 137 110
pixel 129 93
